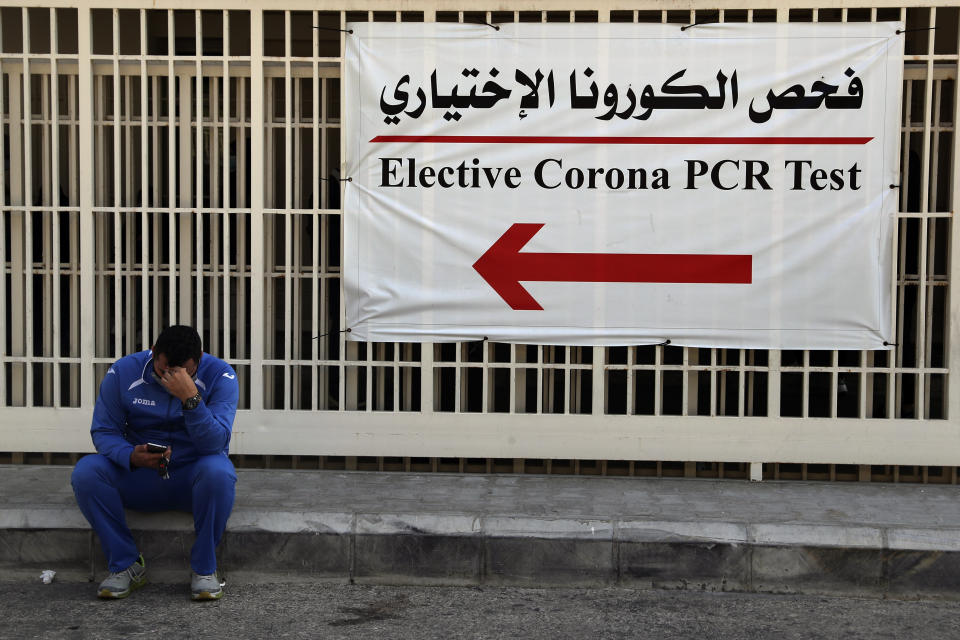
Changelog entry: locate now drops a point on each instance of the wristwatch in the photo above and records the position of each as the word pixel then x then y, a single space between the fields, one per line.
pixel 192 402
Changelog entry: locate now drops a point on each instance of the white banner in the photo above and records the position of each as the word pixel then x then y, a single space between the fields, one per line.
pixel 727 185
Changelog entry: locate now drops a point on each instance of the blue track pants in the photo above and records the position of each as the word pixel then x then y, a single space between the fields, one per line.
pixel 204 488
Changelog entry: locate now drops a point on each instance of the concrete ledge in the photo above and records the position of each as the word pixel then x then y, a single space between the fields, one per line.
pixel 877 540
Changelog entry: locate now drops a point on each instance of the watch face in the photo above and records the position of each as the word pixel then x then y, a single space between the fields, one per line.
pixel 192 403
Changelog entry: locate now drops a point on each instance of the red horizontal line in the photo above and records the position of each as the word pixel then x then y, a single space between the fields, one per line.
pixel 632 267
pixel 622 140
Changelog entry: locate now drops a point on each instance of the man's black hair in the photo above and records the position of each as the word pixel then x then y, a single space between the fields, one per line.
pixel 179 343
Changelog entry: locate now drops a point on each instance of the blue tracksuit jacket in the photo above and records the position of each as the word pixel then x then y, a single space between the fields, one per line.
pixel 134 409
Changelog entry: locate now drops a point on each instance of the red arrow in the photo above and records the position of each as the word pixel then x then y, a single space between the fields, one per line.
pixel 503 267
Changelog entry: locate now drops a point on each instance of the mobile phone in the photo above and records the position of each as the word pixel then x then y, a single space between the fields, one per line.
pixel 156 448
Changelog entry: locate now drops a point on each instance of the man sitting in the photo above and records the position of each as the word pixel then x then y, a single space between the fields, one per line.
pixel 185 400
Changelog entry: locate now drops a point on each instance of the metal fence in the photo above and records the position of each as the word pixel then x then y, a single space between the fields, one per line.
pixel 183 164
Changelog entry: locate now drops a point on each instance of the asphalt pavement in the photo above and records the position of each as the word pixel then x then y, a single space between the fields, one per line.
pixel 306 609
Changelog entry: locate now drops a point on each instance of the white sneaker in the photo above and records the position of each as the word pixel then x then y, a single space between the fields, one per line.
pixel 205 587
pixel 120 584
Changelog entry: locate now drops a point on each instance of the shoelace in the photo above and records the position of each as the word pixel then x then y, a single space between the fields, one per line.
pixel 125 572
pixel 129 571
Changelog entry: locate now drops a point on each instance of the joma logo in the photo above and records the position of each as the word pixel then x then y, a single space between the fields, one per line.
pixel 144 401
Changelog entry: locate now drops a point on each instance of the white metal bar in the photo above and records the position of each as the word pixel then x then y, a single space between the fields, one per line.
pixel 28 213
pixel 924 208
pixel 316 329
pixel 54 319
pixel 73 83
pixel 686 389
pixel 156 218
pixel 927 100
pixel 833 385
pixel 287 201
pixel 774 359
pixel 485 373
pixel 717 380
pixel 244 224
pixel 935 130
pixel 157 68
pixel 320 161
pixel 172 309
pixel 866 387
pixel 426 378
pixel 541 374
pixel 928 311
pixel 396 377
pixel 805 398
pixel 256 204
pixel 145 333
pixel 46 269
pixel 99 219
pixel 208 282
pixel 597 381
pixel 368 372
pixel 117 221
pixel 209 270
pixel 741 384
pixel 611 437
pixel 296 201
pixel 345 372
pixel 270 252
pixel 225 202
pixel 458 392
pixel 86 177
pixel 129 314
pixel 658 380
pixel 3 239
pixel 269 248
pixel 185 216
pixel 197 258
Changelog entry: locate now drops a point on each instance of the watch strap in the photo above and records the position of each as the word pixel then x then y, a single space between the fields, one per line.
pixel 192 402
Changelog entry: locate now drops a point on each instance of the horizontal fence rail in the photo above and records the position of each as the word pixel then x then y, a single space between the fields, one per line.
pixel 166 163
